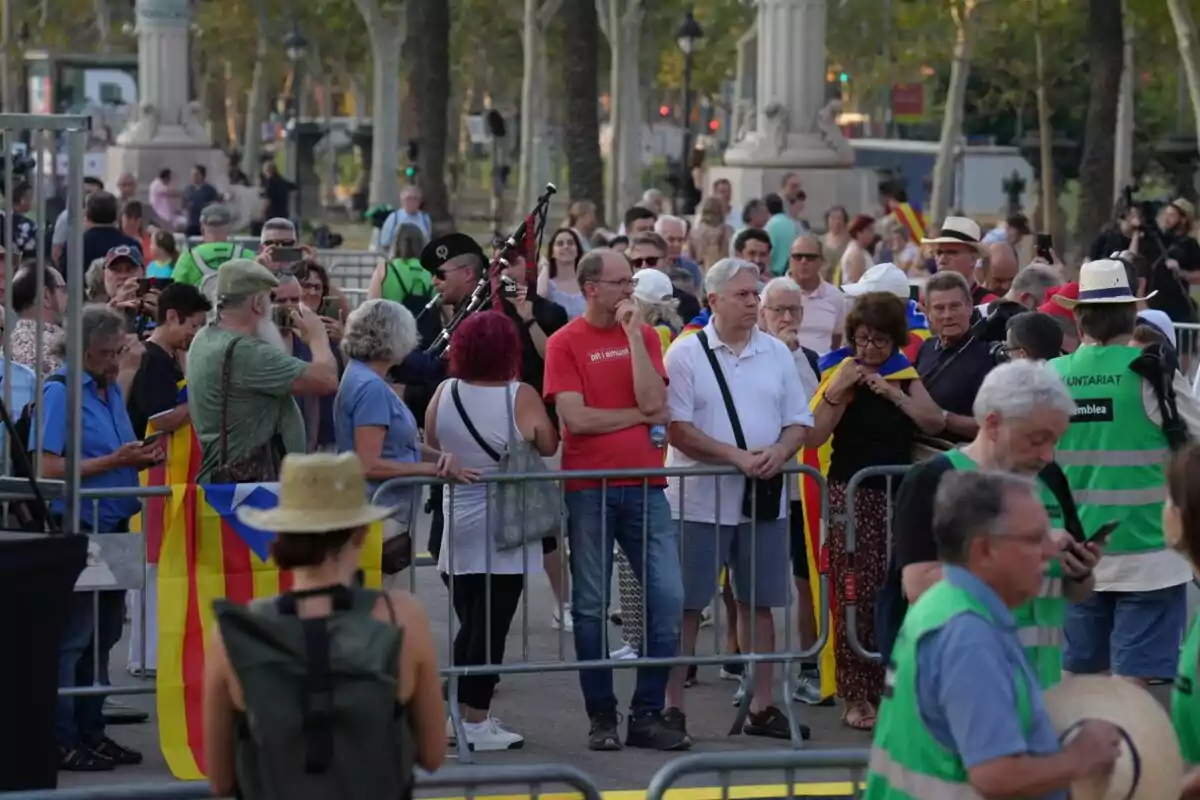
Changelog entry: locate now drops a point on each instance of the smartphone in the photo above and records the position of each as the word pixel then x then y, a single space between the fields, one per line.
pixel 1043 243
pixel 287 255
pixel 1101 535
pixel 151 438
pixel 143 286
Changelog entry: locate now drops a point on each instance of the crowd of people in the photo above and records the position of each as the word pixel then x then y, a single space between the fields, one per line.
pixel 745 342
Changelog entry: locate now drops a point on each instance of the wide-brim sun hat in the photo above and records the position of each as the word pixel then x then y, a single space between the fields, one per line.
pixel 318 493
pixel 1102 282
pixel 1150 766
pixel 960 230
pixel 880 278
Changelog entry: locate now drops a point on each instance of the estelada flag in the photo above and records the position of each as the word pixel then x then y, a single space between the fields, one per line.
pixel 207 554
pixel 896 368
pixel 179 467
pixel 918 331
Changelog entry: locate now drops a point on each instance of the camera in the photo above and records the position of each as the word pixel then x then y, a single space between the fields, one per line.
pixel 282 318
pixel 508 287
pixel 993 329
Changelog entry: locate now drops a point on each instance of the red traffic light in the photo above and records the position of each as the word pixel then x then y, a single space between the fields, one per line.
pixel 713 125
pixel 664 111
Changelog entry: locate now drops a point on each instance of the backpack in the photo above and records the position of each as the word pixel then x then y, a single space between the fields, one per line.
pixel 21 467
pixel 322 720
pixel 410 278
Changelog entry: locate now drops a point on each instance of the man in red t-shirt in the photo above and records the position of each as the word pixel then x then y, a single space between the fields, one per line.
pixel 604 372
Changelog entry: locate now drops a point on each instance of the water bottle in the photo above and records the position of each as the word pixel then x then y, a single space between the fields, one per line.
pixel 658 435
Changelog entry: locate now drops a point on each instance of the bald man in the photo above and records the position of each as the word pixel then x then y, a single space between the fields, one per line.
pixel 1002 266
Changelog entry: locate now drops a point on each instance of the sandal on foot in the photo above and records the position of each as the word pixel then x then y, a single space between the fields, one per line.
pixel 859 718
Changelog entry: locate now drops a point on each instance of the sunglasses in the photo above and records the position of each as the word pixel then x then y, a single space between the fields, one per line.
pixel 280 243
pixel 651 261
pixel 806 256
pixel 441 272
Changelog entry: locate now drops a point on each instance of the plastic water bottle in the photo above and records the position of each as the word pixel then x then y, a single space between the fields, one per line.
pixel 658 435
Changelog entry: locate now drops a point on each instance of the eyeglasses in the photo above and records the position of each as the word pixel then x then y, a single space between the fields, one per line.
pixel 795 311
pixel 949 253
pixel 649 261
pixel 280 243
pixel 806 256
pixel 878 342
pixel 310 286
pixel 623 282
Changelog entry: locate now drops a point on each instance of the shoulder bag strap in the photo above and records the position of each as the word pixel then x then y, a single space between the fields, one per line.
pixel 738 436
pixel 226 372
pixel 1056 481
pixel 471 429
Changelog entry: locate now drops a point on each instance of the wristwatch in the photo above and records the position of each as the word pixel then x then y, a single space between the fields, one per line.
pixel 529 323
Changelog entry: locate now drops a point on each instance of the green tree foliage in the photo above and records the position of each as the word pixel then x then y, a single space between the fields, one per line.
pixel 723 22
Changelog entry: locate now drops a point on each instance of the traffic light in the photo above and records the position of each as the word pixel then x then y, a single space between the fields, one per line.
pixel 714 125
pixel 844 77
pixel 664 111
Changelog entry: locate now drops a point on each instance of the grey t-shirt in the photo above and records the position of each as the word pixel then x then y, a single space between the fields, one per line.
pixel 260 396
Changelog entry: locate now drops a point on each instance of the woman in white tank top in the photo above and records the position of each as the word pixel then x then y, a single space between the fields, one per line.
pixel 485 358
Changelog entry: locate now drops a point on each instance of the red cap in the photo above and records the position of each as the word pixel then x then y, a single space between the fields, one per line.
pixel 1052 307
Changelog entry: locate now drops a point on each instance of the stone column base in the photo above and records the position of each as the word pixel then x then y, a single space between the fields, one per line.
pixel 855 188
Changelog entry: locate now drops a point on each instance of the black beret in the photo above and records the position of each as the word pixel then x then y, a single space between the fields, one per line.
pixel 453 245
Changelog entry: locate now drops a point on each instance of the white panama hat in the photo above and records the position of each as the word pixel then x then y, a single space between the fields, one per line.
pixel 960 230
pixel 1102 282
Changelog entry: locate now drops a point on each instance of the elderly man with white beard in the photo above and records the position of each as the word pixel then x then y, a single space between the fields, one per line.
pixel 241 380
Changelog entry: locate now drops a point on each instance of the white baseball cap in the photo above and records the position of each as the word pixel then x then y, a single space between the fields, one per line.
pixel 880 278
pixel 652 286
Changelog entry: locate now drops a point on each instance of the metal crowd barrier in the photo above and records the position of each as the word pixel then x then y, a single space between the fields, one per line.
pixel 351 270
pixel 469 780
pixel 848 579
pixel 789 762
pixel 393 492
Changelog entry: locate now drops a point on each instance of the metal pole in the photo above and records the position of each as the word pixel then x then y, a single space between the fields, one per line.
pixel 6 100
pixel 76 148
pixel 296 79
pixel 684 169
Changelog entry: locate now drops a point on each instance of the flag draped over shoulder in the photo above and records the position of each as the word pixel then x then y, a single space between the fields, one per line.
pixel 207 553
pixel 918 331
pixel 896 368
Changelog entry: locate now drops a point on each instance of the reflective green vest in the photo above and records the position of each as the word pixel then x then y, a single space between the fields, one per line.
pixel 1114 456
pixel 907 763
pixel 1040 620
pixel 1185 701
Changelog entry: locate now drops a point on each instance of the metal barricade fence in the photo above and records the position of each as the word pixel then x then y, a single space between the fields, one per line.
pixel 350 270
pixel 536 778
pixel 1187 343
pixel 788 762
pixel 625 509
pixel 848 521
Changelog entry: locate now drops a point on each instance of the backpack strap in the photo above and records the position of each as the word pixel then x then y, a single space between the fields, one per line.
pixel 317 701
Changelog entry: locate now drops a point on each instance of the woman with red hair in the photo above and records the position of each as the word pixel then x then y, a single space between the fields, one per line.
pixel 474 414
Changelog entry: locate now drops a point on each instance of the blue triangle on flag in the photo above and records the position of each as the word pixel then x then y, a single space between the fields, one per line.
pixel 221 498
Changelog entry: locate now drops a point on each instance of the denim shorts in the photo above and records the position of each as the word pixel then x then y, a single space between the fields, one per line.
pixel 761 564
pixel 1132 634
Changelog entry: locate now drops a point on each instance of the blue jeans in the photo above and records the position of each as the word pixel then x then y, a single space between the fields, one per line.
pixel 81 719
pixel 592 530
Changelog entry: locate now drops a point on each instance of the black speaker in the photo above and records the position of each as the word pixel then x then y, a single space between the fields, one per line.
pixel 37 577
pixel 495 123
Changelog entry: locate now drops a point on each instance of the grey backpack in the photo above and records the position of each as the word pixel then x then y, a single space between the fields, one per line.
pixel 322 720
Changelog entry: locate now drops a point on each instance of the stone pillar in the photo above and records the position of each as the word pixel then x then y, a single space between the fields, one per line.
pixel 162 31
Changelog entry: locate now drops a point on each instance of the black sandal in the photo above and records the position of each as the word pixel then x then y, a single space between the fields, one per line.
pixel 81 759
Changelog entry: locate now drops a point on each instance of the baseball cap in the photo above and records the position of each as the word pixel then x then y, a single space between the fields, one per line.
pixel 880 278
pixel 1053 307
pixel 216 216
pixel 241 277
pixel 123 252
pixel 652 286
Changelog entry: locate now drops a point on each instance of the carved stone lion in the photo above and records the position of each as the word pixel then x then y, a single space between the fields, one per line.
pixel 746 119
pixel 146 126
pixel 192 120
pixel 828 128
pixel 777 126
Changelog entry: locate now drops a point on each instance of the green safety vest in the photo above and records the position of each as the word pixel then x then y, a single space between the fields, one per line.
pixel 202 261
pixel 907 762
pixel 1039 620
pixel 1185 708
pixel 1114 456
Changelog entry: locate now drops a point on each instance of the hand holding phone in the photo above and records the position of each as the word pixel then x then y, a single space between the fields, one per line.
pixel 151 438
pixel 1101 535
pixel 1043 247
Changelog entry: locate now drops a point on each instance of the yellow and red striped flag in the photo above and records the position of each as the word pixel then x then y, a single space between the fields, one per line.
pixel 911 219
pixel 207 554
pixel 896 368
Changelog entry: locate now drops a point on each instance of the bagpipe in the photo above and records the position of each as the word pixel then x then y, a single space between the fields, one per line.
pixel 524 241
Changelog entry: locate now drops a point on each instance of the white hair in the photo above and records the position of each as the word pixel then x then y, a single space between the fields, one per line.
pixel 721 273
pixel 275 224
pixel 379 330
pixel 1017 389
pixel 781 284
pixel 664 220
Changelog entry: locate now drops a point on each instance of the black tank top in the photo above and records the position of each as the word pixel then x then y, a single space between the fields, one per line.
pixel 873 432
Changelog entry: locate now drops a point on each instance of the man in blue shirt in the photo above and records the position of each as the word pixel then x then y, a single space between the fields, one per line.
pixel 994 539
pixel 111 457
pixel 409 212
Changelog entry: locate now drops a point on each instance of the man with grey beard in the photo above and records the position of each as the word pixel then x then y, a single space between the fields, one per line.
pixel 241 380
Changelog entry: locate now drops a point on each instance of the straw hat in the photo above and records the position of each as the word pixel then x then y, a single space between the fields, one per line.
pixel 880 278
pixel 1150 766
pixel 960 230
pixel 318 493
pixel 1102 282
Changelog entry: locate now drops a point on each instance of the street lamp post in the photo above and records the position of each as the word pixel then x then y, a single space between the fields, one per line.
pixel 688 37
pixel 297 48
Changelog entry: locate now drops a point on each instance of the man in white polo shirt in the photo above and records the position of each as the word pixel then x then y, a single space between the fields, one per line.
pixel 761 433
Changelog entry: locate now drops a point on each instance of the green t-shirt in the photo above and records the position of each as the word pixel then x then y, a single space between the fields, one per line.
pixel 213 254
pixel 260 396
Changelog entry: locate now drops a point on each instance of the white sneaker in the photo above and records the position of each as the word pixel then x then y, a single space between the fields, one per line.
pixel 625 653
pixel 560 619
pixel 706 617
pixel 488 735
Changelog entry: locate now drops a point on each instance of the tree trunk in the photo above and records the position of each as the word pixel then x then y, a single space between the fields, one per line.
pixel 629 168
pixel 232 112
pixel 1045 133
pixel 256 98
pixel 1185 32
pixel 1105 56
pixel 429 24
pixel 535 106
pixel 1123 157
pixel 581 43
pixel 103 25
pixel 956 92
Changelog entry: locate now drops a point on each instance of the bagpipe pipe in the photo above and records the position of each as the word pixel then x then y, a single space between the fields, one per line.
pixel 493 283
